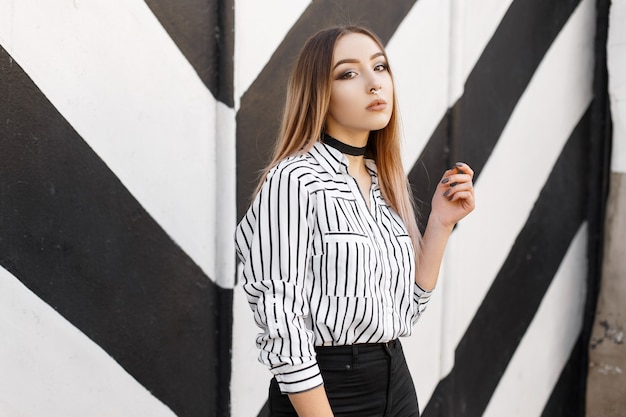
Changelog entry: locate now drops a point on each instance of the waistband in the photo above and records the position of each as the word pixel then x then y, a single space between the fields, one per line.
pixel 347 357
pixel 358 348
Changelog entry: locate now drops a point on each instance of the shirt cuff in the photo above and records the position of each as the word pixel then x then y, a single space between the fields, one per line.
pixel 420 297
pixel 293 379
pixel 421 294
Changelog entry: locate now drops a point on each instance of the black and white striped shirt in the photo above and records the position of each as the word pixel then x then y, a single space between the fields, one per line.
pixel 321 268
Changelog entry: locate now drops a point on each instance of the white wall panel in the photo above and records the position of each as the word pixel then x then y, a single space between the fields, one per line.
pixel 224 196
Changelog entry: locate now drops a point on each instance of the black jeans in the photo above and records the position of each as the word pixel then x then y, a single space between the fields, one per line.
pixel 367 380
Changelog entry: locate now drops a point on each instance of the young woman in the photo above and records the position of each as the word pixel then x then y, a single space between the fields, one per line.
pixel 334 266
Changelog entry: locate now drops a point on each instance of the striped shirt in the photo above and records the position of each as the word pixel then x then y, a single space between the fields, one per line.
pixel 321 268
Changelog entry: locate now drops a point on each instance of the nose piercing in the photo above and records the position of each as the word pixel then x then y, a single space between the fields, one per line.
pixel 375 91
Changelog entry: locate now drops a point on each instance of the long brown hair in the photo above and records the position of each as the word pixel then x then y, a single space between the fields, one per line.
pixel 304 115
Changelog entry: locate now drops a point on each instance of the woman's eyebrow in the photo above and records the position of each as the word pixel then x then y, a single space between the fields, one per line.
pixel 356 61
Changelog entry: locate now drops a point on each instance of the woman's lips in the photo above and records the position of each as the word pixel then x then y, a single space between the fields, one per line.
pixel 377 105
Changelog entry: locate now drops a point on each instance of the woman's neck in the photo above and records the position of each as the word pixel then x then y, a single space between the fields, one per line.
pixel 343 146
pixel 356 139
pixel 356 164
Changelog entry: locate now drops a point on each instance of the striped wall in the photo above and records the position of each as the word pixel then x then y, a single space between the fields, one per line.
pixel 131 136
pixel 109 175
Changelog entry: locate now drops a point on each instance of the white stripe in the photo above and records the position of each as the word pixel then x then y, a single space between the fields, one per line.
pixel 225 196
pixel 432 53
pixel 510 182
pixel 616 62
pixel 546 347
pixel 49 368
pixel 112 71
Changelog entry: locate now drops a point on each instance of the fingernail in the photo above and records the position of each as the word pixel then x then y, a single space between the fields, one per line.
pixel 446 193
pixel 458 164
pixel 453 184
pixel 445 180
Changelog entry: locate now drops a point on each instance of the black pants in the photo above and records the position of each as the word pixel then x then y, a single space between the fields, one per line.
pixel 367 380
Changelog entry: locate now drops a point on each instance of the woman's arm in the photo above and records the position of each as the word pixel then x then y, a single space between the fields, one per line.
pixel 274 244
pixel 453 200
pixel 312 403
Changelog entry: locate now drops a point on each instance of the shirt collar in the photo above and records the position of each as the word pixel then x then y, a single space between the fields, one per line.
pixel 330 158
pixel 336 162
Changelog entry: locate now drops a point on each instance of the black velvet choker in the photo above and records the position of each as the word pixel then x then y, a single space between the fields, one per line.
pixel 343 147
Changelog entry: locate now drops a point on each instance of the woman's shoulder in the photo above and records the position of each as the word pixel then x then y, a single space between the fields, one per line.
pixel 297 167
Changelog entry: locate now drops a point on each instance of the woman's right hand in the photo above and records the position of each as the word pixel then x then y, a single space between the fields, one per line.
pixel 454 196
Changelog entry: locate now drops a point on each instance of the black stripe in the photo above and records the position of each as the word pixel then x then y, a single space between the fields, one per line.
pixel 203 30
pixel 258 118
pixel 512 301
pixel 471 128
pixel 73 234
pixel 568 397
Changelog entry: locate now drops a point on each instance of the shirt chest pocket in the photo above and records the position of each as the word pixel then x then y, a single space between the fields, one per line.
pixel 347 265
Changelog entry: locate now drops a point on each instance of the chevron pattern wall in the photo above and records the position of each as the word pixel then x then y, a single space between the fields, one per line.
pixel 131 136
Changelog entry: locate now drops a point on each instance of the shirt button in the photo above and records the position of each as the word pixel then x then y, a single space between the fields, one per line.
pixel 348 367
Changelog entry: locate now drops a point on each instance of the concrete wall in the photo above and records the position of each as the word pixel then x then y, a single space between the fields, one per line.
pixel 606 394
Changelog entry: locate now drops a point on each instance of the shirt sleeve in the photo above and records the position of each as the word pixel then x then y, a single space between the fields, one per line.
pixel 274 244
pixel 420 298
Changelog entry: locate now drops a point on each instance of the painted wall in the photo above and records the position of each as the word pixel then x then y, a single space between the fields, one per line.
pixel 115 296
pixel 131 136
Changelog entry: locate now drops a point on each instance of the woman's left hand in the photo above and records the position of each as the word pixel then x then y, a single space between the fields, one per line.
pixel 454 196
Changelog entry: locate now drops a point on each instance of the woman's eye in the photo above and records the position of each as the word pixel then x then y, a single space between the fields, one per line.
pixel 381 67
pixel 347 75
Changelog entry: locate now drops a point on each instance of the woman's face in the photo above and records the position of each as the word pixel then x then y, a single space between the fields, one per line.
pixel 359 69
